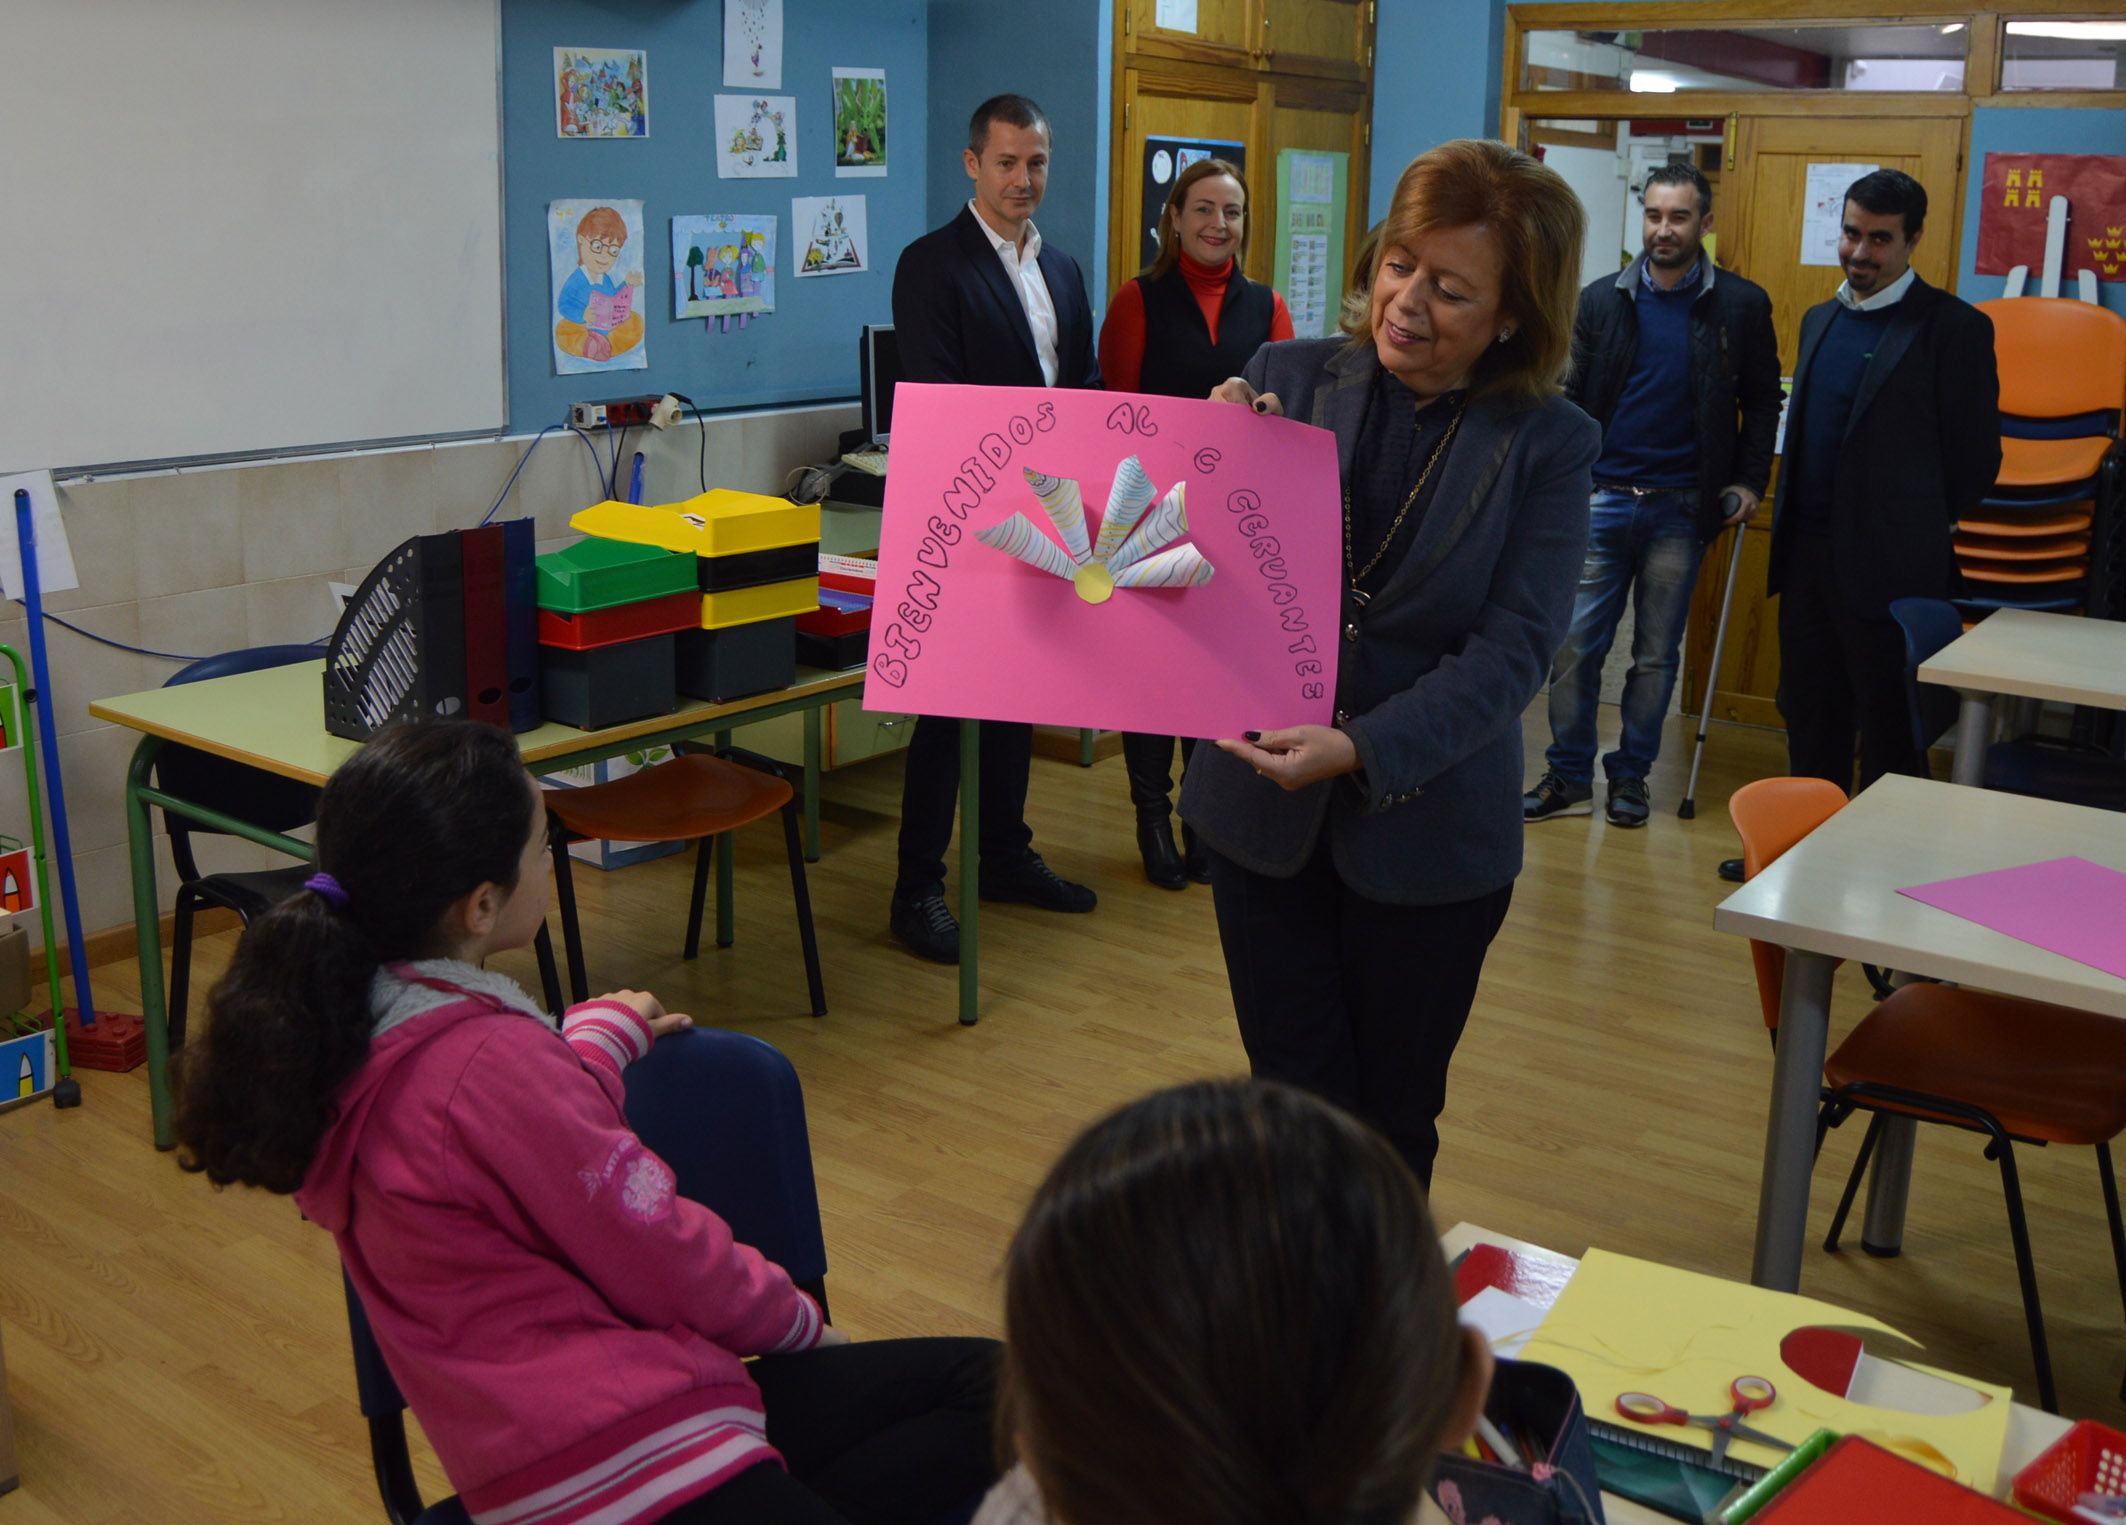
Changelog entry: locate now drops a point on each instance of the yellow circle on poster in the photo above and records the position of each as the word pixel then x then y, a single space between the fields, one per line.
pixel 1095 584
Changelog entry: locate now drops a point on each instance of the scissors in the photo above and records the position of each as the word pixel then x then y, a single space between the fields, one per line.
pixel 1750 1394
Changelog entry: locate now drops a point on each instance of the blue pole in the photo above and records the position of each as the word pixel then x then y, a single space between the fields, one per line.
pixel 54 784
pixel 634 486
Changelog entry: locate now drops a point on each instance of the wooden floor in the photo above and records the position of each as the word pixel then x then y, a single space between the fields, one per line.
pixel 175 1354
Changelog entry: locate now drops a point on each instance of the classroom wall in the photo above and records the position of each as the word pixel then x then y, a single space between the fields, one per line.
pixel 1051 52
pixel 2032 129
pixel 804 350
pixel 1435 76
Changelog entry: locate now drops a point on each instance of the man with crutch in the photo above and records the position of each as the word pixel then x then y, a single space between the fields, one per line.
pixel 1678 363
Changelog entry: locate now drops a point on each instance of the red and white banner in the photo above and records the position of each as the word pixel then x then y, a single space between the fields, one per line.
pixel 2015 198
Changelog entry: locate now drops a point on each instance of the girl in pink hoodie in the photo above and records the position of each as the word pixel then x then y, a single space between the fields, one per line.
pixel 572 1335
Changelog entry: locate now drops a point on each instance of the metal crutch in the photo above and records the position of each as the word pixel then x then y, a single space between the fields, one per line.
pixel 1689 807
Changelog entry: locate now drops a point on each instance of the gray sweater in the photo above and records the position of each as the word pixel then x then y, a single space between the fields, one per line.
pixel 1434 673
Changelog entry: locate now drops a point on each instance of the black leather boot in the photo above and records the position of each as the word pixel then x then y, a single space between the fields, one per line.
pixel 1195 857
pixel 1162 861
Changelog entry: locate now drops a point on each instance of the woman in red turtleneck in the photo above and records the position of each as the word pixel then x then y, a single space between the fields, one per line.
pixel 1178 330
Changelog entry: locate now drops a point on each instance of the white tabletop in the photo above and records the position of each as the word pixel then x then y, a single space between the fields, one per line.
pixel 2030 1430
pixel 1835 892
pixel 2063 657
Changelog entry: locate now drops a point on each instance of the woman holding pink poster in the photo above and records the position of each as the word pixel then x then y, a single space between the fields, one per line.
pixel 1361 870
pixel 1184 325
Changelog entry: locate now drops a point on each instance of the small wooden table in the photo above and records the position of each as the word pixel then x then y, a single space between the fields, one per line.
pixel 1832 896
pixel 2022 654
pixel 274 720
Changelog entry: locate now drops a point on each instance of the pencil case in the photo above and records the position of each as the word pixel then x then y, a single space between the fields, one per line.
pixel 1539 1409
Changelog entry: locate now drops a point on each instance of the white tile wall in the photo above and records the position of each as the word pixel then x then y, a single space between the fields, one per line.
pixel 208 560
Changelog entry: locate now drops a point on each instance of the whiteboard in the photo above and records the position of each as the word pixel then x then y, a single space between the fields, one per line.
pixel 238 226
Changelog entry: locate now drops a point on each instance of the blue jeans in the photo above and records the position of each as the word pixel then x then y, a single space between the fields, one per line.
pixel 1648 546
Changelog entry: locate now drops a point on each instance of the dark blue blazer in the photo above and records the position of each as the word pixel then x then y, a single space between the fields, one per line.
pixel 1433 676
pixel 958 318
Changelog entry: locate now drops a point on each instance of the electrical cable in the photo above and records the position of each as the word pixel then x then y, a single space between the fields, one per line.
pixel 702 429
pixel 596 464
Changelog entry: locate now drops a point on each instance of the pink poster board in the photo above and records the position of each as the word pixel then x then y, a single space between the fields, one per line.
pixel 2068 906
pixel 1196 593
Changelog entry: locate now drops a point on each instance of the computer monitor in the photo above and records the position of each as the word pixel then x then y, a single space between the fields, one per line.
pixel 879 364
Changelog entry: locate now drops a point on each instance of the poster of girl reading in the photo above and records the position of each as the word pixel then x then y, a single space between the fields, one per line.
pixel 596 254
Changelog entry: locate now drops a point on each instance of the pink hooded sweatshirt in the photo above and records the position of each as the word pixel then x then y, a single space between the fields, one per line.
pixel 566 1327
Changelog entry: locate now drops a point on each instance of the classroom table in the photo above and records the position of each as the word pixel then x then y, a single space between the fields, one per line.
pixel 1833 895
pixel 2022 654
pixel 274 720
pixel 2030 1430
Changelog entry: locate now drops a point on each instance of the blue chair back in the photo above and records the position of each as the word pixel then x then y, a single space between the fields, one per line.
pixel 726 1112
pixel 233 788
pixel 1928 625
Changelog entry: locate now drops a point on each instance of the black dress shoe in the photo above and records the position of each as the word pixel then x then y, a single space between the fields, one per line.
pixel 1032 882
pixel 1195 857
pixel 1162 861
pixel 1731 870
pixel 926 924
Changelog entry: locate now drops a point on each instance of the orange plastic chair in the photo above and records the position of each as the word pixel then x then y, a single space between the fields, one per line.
pixel 2011 1069
pixel 694 797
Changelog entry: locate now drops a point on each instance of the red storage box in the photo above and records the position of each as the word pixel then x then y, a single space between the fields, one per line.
pixel 2090 1458
pixel 838 614
pixel 849 574
pixel 622 622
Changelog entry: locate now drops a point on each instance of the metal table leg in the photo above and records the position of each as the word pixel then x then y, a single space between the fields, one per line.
pixel 1974 730
pixel 726 912
pixel 1086 739
pixel 1889 1182
pixel 811 800
pixel 970 871
pixel 1790 1131
pixel 147 933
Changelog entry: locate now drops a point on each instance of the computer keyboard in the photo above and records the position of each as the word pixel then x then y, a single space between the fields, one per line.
pixel 872 462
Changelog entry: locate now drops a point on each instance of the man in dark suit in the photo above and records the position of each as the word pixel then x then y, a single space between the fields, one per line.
pixel 1892 436
pixel 982 301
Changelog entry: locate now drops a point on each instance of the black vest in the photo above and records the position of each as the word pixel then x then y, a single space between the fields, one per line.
pixel 1179 358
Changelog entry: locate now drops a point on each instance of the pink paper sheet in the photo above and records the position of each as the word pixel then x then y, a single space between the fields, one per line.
pixel 2068 906
pixel 962 628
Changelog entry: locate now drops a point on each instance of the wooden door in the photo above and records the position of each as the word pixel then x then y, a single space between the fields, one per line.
pixel 1325 115
pixel 1178 101
pixel 1759 217
pixel 1226 30
pixel 1332 37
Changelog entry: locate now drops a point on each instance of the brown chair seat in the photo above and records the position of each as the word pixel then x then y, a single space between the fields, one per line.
pixel 2044 1072
pixel 2020 548
pixel 2050 462
pixel 1993 520
pixel 687 798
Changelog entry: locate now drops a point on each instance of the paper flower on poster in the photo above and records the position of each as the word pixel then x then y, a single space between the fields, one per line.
pixel 1135 545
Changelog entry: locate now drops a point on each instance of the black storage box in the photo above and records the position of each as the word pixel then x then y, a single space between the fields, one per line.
pixel 749 569
pixel 833 652
pixel 609 685
pixel 738 659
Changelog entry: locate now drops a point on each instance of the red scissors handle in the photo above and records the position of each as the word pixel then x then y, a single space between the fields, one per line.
pixel 1751 1394
pixel 1647 1409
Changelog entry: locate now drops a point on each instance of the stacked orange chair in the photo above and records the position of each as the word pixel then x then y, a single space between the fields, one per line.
pixel 2016 1071
pixel 2048 536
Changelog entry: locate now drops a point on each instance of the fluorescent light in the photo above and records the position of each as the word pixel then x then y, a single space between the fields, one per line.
pixel 1951 28
pixel 1650 82
pixel 2073 31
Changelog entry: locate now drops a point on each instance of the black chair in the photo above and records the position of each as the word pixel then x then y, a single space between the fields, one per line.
pixel 230 788
pixel 2021 766
pixel 726 1112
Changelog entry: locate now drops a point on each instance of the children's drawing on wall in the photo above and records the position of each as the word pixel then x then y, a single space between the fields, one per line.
pixel 602 92
pixel 597 261
pixel 828 236
pixel 859 122
pixel 752 44
pixel 723 266
pixel 756 137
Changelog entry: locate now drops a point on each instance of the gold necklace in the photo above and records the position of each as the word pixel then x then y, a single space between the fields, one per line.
pixel 1423 477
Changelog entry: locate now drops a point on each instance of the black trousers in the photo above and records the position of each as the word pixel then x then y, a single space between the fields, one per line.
pixel 893 1431
pixel 1150 761
pixel 1840 674
pixel 1359 1002
pixel 930 795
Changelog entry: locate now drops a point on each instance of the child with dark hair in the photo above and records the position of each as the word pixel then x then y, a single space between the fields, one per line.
pixel 1227 1306
pixel 571 1333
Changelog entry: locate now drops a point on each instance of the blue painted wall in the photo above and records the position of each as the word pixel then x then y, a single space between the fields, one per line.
pixel 1435 76
pixel 1057 53
pixel 806 349
pixel 2032 130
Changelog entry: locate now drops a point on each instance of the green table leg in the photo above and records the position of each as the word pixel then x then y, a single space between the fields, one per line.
pixel 970 871
pixel 147 933
pixel 811 801
pixel 726 912
pixel 1085 746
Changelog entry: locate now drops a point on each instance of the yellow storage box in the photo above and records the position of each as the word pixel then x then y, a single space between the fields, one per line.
pixel 721 522
pixel 764 601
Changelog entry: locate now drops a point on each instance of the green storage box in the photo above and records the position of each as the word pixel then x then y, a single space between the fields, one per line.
pixel 598 574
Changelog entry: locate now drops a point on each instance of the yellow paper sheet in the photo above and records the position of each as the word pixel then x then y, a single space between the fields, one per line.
pixel 1624 1325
